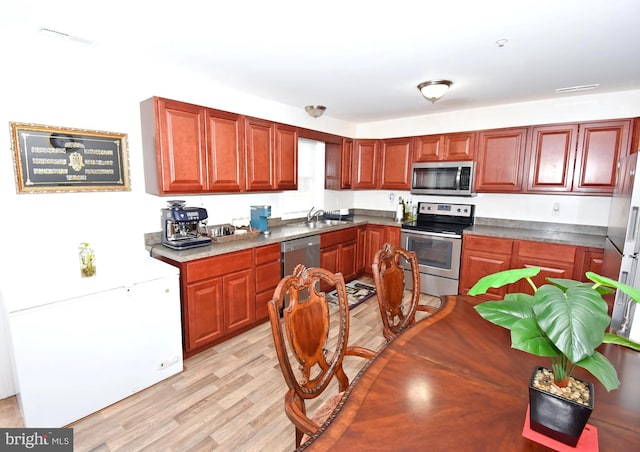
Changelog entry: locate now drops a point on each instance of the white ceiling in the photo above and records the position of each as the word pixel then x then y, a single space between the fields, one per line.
pixel 363 59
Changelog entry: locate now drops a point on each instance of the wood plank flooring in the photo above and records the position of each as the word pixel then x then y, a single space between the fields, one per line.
pixel 229 397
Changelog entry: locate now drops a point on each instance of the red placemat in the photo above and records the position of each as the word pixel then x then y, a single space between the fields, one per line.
pixel 588 440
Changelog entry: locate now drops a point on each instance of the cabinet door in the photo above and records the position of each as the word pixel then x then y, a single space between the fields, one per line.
pixel 205 319
pixel 551 158
pixel 365 164
pixel 333 166
pixel 225 147
pixel 482 256
pixel 259 145
pixel 459 146
pixel 392 235
pixel 329 258
pixel 347 261
pixel 588 260
pixel 286 157
pixel 374 239
pixel 396 155
pixel 360 250
pixel 182 154
pixel 555 261
pixel 428 148
pixel 500 160
pixel 239 299
pixel 600 146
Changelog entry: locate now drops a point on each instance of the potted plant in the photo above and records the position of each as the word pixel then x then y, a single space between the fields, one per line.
pixel 566 321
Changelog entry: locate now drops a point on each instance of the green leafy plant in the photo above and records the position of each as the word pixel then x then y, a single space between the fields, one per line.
pixel 564 320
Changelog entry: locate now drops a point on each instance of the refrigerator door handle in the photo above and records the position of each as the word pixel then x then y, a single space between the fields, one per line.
pixel 632 229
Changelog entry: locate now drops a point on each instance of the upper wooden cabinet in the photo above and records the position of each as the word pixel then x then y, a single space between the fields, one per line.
pixel 500 160
pixel 450 146
pixel 175 133
pixel 271 153
pixel 337 161
pixel 364 169
pixel 224 132
pixel 578 158
pixel 193 149
pixel 551 157
pixel 395 168
pixel 600 146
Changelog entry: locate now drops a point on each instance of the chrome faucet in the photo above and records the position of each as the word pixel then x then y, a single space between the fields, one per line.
pixel 315 214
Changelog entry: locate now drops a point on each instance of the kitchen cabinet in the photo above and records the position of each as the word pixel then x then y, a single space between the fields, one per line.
pixel 267 274
pixel 577 158
pixel 360 250
pixel 588 260
pixel 218 298
pixel 338 252
pixel 500 160
pixel 364 169
pixel 482 256
pixel 635 136
pixel 191 149
pixel 271 153
pixel 375 237
pixel 338 165
pixel 555 261
pixel 396 155
pixel 450 146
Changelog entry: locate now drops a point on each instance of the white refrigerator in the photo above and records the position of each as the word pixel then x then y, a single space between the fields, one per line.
pixel 623 246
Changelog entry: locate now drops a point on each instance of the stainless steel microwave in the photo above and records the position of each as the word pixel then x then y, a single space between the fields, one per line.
pixel 443 178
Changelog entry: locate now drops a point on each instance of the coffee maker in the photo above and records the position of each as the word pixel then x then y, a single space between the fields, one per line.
pixel 260 218
pixel 184 227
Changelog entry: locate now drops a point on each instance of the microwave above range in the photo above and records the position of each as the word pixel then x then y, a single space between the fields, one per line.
pixel 443 178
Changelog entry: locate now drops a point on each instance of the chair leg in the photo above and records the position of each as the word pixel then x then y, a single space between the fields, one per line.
pixel 299 435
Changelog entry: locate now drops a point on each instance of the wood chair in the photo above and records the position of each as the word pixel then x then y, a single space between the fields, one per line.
pixel 397 308
pixel 307 337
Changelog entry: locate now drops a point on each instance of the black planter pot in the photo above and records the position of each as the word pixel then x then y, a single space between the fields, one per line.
pixel 557 417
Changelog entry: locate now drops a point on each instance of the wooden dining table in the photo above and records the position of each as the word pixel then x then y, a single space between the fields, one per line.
pixel 453 382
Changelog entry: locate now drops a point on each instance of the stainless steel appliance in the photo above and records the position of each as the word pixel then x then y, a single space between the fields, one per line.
pixel 436 238
pixel 184 227
pixel 260 218
pixel 305 250
pixel 443 178
pixel 623 246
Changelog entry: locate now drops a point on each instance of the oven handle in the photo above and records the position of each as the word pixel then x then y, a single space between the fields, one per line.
pixel 437 234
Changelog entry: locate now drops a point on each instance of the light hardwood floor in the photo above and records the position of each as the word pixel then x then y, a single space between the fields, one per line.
pixel 229 397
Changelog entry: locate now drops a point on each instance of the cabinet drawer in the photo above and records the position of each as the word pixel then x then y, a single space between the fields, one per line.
pixel 338 237
pixel 550 251
pixel 217 266
pixel 484 243
pixel 267 276
pixel 267 253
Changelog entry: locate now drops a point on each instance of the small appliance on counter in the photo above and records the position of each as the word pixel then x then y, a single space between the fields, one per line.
pixel 260 218
pixel 184 227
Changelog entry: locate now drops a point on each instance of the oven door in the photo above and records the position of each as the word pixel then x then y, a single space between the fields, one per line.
pixel 438 254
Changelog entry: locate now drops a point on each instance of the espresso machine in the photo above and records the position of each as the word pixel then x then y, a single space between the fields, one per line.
pixel 260 218
pixel 184 227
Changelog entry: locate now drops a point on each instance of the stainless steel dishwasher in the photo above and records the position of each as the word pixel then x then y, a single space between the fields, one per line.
pixel 305 250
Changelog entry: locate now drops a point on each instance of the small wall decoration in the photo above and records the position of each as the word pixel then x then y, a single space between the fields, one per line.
pixel 56 159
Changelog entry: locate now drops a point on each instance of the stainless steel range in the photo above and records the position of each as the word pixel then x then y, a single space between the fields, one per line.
pixel 436 238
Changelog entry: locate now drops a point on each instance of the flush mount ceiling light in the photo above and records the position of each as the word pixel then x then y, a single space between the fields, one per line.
pixel 434 89
pixel 50 32
pixel 315 110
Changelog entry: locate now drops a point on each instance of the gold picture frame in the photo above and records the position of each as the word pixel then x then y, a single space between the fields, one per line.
pixel 59 159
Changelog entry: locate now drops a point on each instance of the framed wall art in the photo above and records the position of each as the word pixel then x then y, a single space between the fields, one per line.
pixel 56 159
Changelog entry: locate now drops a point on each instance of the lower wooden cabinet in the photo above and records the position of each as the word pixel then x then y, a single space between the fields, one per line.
pixel 375 237
pixel 482 255
pixel 218 299
pixel 338 252
pixel 267 274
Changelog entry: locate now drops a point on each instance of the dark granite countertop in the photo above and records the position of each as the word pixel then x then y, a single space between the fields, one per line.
pixel 279 233
pixel 568 234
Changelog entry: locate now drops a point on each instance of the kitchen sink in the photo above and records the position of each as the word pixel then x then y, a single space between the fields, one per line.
pixel 318 224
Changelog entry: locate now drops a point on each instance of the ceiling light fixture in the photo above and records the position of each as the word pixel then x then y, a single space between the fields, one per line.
pixel 434 89
pixel 315 110
pixel 571 89
pixel 60 34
